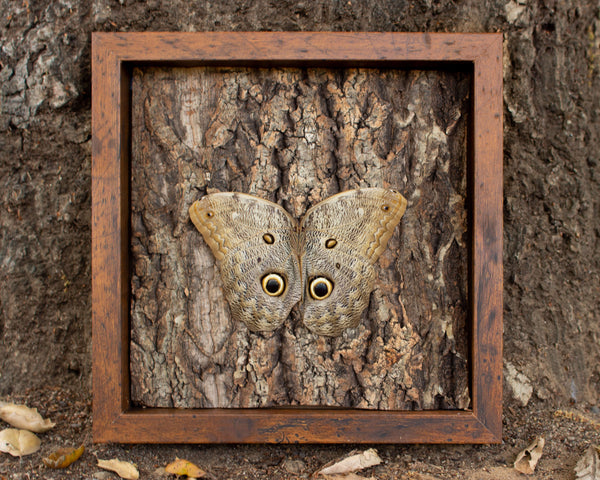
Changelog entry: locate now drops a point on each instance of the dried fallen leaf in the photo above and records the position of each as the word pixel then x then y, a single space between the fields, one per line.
pixel 23 417
pixel 18 442
pixel 346 476
pixel 588 466
pixel 350 464
pixel 123 469
pixel 527 459
pixel 183 467
pixel 63 457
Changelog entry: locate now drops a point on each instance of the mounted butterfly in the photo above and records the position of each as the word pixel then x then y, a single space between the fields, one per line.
pixel 269 262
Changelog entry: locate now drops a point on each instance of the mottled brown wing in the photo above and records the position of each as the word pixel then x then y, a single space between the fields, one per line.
pixel 255 243
pixel 343 237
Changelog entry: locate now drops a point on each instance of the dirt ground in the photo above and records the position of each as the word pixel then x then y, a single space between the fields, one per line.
pixel 568 432
pixel 551 234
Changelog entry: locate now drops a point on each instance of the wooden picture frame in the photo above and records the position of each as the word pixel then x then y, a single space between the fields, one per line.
pixel 113 57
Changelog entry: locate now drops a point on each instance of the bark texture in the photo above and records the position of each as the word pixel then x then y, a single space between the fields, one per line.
pixel 551 172
pixel 298 136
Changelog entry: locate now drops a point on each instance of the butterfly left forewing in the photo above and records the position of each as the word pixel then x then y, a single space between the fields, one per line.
pixel 343 237
pixel 255 244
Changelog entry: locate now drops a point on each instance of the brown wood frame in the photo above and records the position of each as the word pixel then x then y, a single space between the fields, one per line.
pixel 113 56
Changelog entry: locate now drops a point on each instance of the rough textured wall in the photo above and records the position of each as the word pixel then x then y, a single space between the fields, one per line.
pixel 552 171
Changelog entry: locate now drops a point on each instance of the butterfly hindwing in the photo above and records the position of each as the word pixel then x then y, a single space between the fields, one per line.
pixel 255 243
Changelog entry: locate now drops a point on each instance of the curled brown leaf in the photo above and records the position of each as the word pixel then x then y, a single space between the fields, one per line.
pixel 353 463
pixel 588 466
pixel 25 418
pixel 123 469
pixel 63 457
pixel 18 442
pixel 528 458
pixel 183 467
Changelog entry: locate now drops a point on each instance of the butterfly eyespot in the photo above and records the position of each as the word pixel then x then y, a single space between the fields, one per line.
pixel 320 288
pixel 268 238
pixel 210 214
pixel 273 284
pixel 330 243
pixel 385 208
pixel 337 265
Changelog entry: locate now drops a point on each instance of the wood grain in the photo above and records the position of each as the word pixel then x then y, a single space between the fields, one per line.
pixel 113 57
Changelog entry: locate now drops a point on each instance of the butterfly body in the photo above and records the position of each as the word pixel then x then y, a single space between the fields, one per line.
pixel 326 261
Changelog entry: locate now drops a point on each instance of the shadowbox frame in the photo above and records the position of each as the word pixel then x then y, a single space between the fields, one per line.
pixel 114 55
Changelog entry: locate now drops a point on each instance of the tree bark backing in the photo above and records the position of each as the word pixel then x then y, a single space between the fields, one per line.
pixel 297 136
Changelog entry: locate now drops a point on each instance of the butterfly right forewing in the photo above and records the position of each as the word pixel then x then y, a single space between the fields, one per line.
pixel 343 237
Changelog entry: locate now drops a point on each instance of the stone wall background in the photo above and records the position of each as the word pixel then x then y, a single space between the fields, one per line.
pixel 552 172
